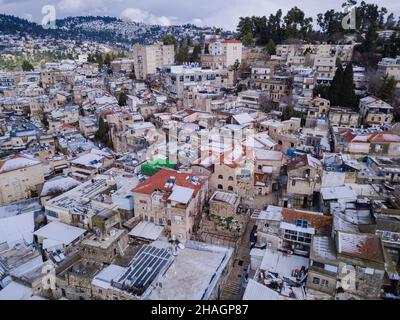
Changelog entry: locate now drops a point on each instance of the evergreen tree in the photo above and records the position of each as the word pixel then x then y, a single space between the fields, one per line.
pixel 388 88
pixel 206 48
pixel 196 53
pixel 336 87
pixel 169 39
pixel 122 98
pixel 322 91
pixel 27 66
pixel 102 132
pixel 271 47
pixel 348 97
pixel 182 54
pixel 247 39
pixel 45 122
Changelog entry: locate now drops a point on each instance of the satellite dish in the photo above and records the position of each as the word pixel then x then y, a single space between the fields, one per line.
pixel 181 246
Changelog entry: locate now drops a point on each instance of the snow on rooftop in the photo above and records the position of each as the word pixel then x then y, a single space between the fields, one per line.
pixel 89 160
pixel 181 194
pixel 107 275
pixel 343 193
pixel 146 230
pixel 243 118
pixel 61 232
pixel 224 197
pixel 272 213
pixel 16 229
pixel 15 163
pixel 282 264
pixel 268 155
pixel 323 247
pixel 257 291
pixel 17 291
pixel 193 274
pixel 61 184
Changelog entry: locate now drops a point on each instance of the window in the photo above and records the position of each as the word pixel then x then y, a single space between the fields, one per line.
pixel 315 280
pixel 301 223
pixel 230 178
pixel 220 176
pixel 220 186
pixel 324 283
pixel 293 183
pixel 230 188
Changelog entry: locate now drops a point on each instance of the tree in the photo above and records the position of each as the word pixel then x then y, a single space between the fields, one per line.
pixel 44 120
pixel 388 88
pixel 102 133
pixel 182 54
pixel 196 53
pixel 122 98
pixel 27 66
pixel 107 59
pixel 348 97
pixel 236 65
pixel 322 91
pixel 368 45
pixel 271 47
pixel 206 48
pixel 297 25
pixel 169 39
pixel 336 87
pixel 247 39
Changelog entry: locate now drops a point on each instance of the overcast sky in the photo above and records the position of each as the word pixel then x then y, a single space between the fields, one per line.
pixel 221 13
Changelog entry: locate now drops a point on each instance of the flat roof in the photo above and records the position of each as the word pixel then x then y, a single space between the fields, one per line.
pixel 60 232
pixel 146 230
pixel 226 197
pixel 145 266
pixel 258 291
pixel 194 272
pixel 283 264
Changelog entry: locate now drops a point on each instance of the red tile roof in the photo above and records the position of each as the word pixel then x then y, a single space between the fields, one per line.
pixel 232 41
pixel 158 181
pixel 316 221
pixel 385 137
pixel 362 246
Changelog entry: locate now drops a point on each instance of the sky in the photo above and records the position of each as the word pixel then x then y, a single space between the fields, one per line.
pixel 219 13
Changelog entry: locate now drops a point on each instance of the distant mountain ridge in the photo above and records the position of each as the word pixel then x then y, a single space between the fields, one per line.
pixel 102 29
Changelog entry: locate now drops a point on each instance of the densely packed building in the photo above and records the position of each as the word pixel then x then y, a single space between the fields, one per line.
pixel 140 178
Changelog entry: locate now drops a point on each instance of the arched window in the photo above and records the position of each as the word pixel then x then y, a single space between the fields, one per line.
pixel 220 186
pixel 230 188
pixel 230 178
pixel 220 176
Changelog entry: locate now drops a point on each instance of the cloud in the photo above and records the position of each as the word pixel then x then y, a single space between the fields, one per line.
pixel 138 15
pixel 198 22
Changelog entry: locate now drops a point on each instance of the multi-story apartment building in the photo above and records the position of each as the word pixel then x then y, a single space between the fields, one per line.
pixel 304 180
pixel 172 199
pixel 226 53
pixel 177 79
pixel 341 117
pixel 375 112
pixel 20 177
pixel 147 59
pixel 325 68
pixel 391 67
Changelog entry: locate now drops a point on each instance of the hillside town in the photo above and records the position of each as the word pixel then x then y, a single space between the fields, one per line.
pixel 211 170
